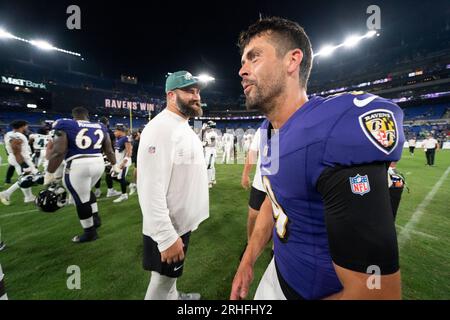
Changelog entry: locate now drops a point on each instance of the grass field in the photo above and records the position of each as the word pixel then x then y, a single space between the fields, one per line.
pixel 39 249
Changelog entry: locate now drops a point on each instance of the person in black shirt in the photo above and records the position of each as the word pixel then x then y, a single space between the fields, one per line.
pixel 109 182
pixel 136 138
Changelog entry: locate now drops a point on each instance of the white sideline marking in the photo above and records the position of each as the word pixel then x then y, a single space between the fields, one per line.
pixel 13 214
pixel 423 234
pixel 17 213
pixel 420 211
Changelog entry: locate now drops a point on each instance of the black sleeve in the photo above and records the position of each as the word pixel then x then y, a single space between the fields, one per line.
pixel 134 151
pixel 360 226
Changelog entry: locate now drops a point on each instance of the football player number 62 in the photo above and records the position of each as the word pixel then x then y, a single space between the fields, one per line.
pixel 280 217
pixel 83 142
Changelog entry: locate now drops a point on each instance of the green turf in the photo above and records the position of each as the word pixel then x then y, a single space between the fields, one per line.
pixel 39 250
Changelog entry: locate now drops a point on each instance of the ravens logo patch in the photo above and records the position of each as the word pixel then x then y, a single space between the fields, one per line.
pixel 380 128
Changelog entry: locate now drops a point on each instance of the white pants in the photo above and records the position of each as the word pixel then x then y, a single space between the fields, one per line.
pixel 12 161
pixel 269 287
pixel 80 175
pixel 210 157
pixel 42 160
pixel 228 149
pixel 246 147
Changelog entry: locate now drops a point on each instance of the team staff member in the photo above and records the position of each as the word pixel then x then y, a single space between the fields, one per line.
pixel 327 208
pixel 135 147
pixel 412 145
pixel 173 186
pixel 109 181
pixel 430 145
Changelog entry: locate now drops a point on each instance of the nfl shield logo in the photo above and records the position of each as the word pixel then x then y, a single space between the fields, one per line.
pixel 360 184
pixel 151 149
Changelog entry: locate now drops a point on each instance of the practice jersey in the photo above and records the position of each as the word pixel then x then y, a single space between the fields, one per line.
pixel 343 130
pixel 248 138
pixel 120 149
pixel 211 139
pixel 228 139
pixel 84 137
pixel 40 140
pixel 25 147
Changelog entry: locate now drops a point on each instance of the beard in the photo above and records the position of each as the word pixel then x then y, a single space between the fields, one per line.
pixel 262 96
pixel 189 109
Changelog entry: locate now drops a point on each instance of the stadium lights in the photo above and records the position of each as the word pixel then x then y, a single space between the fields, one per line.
pixel 4 34
pixel 349 42
pixel 371 33
pixel 205 78
pixel 41 44
pixel 326 50
pixel 352 41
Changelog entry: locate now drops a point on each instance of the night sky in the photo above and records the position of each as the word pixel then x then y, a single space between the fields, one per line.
pixel 150 38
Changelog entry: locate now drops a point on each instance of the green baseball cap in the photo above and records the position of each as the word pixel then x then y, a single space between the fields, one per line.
pixel 182 79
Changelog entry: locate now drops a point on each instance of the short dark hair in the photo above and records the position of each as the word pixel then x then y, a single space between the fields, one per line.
pixel 17 124
pixel 80 112
pixel 121 127
pixel 104 120
pixel 288 34
pixel 42 130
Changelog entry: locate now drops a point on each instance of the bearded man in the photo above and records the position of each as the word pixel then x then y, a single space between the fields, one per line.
pixel 173 186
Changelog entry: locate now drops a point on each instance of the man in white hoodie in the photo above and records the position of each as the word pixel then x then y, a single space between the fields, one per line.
pixel 173 186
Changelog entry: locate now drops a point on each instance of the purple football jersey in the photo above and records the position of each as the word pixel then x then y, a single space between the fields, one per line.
pixel 120 143
pixel 84 137
pixel 346 130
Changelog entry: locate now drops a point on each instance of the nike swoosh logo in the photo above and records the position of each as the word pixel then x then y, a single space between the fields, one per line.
pixel 364 102
pixel 177 268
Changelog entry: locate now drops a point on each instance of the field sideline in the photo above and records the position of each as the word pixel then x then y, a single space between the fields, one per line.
pixel 39 249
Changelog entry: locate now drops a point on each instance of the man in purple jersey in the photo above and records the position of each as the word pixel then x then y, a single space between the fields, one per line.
pixel 123 151
pixel 324 168
pixel 81 143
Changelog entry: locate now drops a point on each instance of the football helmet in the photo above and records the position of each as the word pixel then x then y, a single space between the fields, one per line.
pixel 52 198
pixel 30 180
